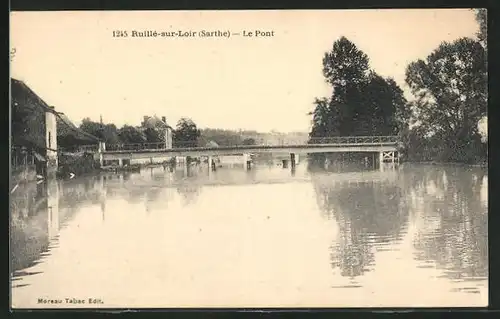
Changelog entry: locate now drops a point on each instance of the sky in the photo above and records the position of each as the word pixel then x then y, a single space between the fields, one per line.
pixel 73 62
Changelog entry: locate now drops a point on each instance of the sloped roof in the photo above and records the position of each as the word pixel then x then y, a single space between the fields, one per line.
pixel 68 128
pixel 22 87
pixel 154 120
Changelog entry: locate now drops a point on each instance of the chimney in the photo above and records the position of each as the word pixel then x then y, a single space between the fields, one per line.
pixel 164 119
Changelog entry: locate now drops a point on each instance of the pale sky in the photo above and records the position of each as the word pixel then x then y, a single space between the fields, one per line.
pixel 72 61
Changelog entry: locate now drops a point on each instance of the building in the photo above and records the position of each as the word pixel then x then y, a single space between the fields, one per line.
pixel 161 125
pixel 33 134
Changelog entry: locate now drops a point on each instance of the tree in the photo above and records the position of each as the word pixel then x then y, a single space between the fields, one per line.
pixel 186 133
pixel 362 102
pixel 249 141
pixel 221 137
pixel 345 64
pixel 482 35
pixel 106 132
pixel 450 87
pixel 131 135
pixel 482 20
pixel 323 120
pixel 91 127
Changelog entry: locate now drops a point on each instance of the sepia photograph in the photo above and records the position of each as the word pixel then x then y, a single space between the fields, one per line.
pixel 248 159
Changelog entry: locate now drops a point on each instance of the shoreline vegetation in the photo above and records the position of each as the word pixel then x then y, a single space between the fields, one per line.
pixel 445 120
pixel 480 165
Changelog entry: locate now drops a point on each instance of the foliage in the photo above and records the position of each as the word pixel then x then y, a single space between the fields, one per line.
pixel 450 87
pixel 249 141
pixel 106 132
pixel 362 102
pixel 186 133
pixel 131 135
pixel 221 137
pixel 344 64
pixel 482 20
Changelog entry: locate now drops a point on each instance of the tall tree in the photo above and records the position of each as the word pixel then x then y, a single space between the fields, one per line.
pixel 362 102
pixel 346 69
pixel 450 87
pixel 186 133
pixel 344 64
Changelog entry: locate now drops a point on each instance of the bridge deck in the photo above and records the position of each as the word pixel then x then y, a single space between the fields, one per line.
pixel 221 151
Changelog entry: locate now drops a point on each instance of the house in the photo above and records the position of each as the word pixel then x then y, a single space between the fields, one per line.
pixel 33 134
pixel 149 121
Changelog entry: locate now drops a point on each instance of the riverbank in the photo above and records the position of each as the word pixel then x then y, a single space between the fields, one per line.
pixel 480 165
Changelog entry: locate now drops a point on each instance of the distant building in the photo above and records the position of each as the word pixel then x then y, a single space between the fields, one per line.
pixel 149 121
pixel 33 134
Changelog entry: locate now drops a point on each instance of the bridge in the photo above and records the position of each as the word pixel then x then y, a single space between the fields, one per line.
pixel 385 146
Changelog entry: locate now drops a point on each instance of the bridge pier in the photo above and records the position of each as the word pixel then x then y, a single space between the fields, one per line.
pixel 247 161
pixel 292 160
pixel 102 148
pixel 285 163
pixel 211 164
pixel 120 162
pixel 389 156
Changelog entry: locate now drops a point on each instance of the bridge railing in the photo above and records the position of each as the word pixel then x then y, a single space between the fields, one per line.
pixel 364 140
pixel 135 146
pixel 89 148
pixel 354 140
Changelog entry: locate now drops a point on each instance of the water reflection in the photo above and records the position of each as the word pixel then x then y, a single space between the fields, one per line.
pixel 38 212
pixel 370 212
pixel 450 221
pixel 29 231
pixel 354 228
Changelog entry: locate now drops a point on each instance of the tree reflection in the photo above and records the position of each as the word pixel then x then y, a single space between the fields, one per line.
pixel 452 221
pixel 368 213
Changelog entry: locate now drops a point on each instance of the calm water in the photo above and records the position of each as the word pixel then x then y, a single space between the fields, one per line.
pixel 412 236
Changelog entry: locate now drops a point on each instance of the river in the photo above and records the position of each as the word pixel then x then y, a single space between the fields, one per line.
pixel 410 236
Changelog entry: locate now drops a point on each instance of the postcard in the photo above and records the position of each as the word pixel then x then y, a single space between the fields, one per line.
pixel 248 159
